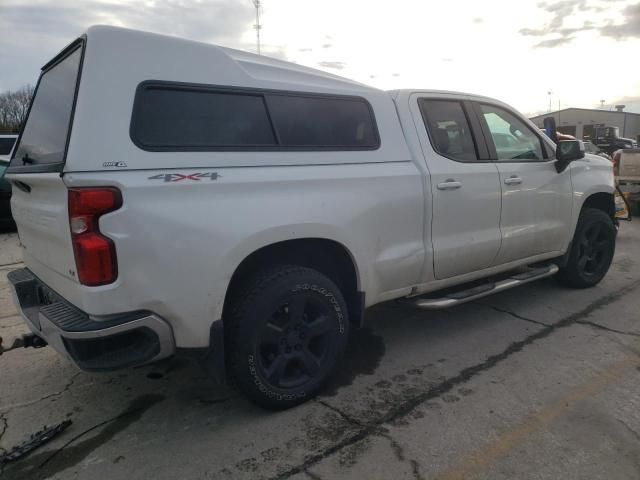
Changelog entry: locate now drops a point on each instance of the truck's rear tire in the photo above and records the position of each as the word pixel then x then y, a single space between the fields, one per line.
pixel 592 250
pixel 285 334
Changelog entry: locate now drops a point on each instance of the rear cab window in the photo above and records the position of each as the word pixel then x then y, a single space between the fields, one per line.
pixel 42 144
pixel 449 131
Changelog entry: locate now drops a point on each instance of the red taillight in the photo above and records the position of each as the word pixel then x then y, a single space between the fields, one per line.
pixel 95 254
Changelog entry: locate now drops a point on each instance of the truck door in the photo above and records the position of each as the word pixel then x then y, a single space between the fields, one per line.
pixel 536 199
pixel 465 188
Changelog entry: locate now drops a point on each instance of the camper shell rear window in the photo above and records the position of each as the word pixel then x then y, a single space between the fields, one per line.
pixel 171 116
pixel 42 145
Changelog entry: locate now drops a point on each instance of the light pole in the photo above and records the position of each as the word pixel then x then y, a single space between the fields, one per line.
pixel 257 26
pixel 549 93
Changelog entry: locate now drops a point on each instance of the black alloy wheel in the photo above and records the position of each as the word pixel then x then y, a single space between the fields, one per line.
pixel 591 251
pixel 295 340
pixel 285 333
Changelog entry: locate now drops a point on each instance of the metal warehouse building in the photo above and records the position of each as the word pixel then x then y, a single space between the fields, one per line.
pixel 580 122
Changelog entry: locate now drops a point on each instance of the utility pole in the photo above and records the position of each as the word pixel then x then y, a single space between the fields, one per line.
pixel 558 113
pixel 601 104
pixel 257 26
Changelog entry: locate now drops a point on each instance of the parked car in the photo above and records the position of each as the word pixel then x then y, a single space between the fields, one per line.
pixel 7 141
pixel 590 147
pixel 6 145
pixel 188 198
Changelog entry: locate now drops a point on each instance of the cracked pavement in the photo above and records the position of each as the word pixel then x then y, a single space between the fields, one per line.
pixel 536 382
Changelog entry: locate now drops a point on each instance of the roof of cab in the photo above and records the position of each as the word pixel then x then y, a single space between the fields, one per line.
pixel 234 62
pixel 429 91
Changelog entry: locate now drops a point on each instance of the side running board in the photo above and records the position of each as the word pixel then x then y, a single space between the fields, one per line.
pixel 479 291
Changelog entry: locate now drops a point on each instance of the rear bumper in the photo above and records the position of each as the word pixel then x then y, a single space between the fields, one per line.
pixel 92 343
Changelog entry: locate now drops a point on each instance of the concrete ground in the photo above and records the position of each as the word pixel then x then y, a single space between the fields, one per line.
pixel 536 382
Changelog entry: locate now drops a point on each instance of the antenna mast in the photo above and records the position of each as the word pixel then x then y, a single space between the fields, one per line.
pixel 257 26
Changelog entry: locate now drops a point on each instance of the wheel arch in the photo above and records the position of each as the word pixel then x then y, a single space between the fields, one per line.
pixel 329 257
pixel 604 201
pixel 600 199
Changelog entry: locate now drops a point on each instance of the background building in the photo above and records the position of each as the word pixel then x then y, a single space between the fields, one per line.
pixel 580 122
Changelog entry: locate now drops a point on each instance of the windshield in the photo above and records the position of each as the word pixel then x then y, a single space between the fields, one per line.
pixel 44 137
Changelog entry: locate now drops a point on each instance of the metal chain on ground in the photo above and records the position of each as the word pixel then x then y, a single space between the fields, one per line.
pixel 36 440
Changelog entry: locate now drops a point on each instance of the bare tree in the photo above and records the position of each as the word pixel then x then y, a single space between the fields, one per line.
pixel 13 108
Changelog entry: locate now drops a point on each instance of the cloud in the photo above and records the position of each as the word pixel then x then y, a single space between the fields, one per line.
pixel 40 30
pixel 632 103
pixel 332 64
pixel 554 42
pixel 630 27
pixel 478 20
pixel 560 10
pixel 627 99
pixel 327 45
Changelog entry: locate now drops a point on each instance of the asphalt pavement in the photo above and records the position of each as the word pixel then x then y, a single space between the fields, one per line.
pixel 537 382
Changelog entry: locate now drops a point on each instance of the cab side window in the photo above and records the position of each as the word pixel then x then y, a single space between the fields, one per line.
pixel 512 138
pixel 448 129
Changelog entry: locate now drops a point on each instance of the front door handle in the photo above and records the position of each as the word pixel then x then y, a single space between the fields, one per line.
pixel 513 180
pixel 449 184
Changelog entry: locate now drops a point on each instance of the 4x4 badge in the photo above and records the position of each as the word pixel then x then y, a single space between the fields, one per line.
pixel 114 164
pixel 177 177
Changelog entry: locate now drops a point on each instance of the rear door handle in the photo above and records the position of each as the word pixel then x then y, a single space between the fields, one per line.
pixel 449 184
pixel 22 186
pixel 513 180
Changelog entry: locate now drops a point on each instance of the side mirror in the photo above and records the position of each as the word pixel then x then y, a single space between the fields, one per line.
pixel 567 151
pixel 550 128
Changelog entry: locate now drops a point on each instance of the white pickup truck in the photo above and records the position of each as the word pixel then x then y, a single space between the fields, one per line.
pixel 176 196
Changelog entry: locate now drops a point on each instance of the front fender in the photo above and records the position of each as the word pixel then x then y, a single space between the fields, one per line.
pixel 589 176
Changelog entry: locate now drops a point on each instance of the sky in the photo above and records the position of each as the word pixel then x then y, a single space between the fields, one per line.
pixel 582 51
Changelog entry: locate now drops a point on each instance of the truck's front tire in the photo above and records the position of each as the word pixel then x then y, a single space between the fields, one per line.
pixel 591 251
pixel 285 334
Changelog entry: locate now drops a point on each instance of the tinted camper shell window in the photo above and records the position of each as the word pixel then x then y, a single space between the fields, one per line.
pixel 186 117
